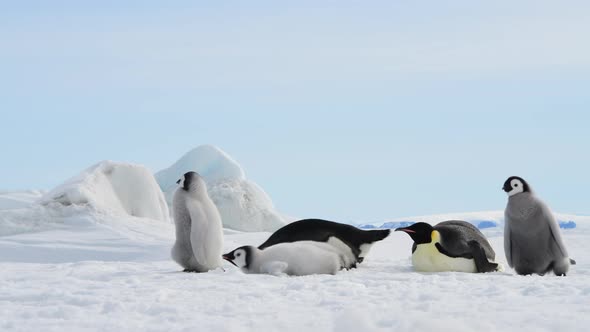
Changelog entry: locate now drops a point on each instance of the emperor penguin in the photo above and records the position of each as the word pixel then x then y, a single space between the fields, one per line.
pixel 345 237
pixel 199 231
pixel 290 258
pixel 532 240
pixel 452 245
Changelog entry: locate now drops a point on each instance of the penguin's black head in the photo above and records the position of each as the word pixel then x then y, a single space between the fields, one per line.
pixel 188 179
pixel 515 185
pixel 240 257
pixel 420 232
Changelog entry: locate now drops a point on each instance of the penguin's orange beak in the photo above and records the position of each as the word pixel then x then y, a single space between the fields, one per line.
pixel 405 230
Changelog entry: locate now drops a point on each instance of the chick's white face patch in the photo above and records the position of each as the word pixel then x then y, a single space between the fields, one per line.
pixel 517 187
pixel 180 182
pixel 240 258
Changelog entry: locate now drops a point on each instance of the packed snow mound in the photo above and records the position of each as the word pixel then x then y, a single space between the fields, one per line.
pixel 113 188
pixel 243 205
pixel 207 160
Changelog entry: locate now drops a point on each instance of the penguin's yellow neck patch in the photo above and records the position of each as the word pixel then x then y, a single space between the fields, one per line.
pixel 435 236
pixel 427 258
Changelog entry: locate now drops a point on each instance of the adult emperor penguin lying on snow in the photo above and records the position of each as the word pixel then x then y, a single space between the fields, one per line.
pixel 452 245
pixel 295 259
pixel 348 239
pixel 199 232
pixel 532 240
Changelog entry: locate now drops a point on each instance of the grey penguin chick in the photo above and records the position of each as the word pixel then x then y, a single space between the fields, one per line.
pixel 532 239
pixel 453 245
pixel 291 258
pixel 199 231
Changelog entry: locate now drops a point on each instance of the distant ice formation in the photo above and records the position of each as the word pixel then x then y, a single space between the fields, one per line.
pixel 243 205
pixel 207 160
pixel 482 220
pixel 115 188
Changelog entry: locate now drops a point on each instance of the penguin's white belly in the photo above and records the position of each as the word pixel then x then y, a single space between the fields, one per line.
pixel 364 248
pixel 427 258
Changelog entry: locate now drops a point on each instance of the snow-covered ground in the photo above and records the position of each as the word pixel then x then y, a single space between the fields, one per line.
pixel 85 270
pixel 93 255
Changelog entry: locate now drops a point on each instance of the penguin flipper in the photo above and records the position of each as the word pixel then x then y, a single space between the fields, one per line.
pixel 555 233
pixel 572 262
pixel 481 260
pixel 446 252
pixel 508 243
pixel 275 268
pixel 476 252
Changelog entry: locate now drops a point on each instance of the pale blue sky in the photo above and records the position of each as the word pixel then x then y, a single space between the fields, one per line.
pixel 347 110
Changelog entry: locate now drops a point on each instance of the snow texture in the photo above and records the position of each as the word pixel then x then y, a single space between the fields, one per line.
pixel 113 188
pixel 15 200
pixel 242 204
pixel 97 272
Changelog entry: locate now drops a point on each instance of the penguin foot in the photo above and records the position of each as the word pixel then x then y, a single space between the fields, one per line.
pixel 352 266
pixel 526 271
pixel 489 267
pixel 560 267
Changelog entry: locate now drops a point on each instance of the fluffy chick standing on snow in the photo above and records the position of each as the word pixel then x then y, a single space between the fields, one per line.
pixel 199 231
pixel 532 240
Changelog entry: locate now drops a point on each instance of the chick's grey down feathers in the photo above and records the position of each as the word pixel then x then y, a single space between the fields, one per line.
pixel 532 239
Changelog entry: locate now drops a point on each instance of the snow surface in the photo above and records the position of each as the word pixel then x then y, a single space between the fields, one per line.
pixel 243 205
pixel 85 270
pixel 15 200
pixel 114 188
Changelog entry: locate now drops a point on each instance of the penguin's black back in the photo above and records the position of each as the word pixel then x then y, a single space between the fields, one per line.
pixel 321 230
pixel 456 234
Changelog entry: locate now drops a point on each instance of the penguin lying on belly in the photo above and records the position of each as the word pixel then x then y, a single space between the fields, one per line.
pixel 293 258
pixel 346 238
pixel 454 245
